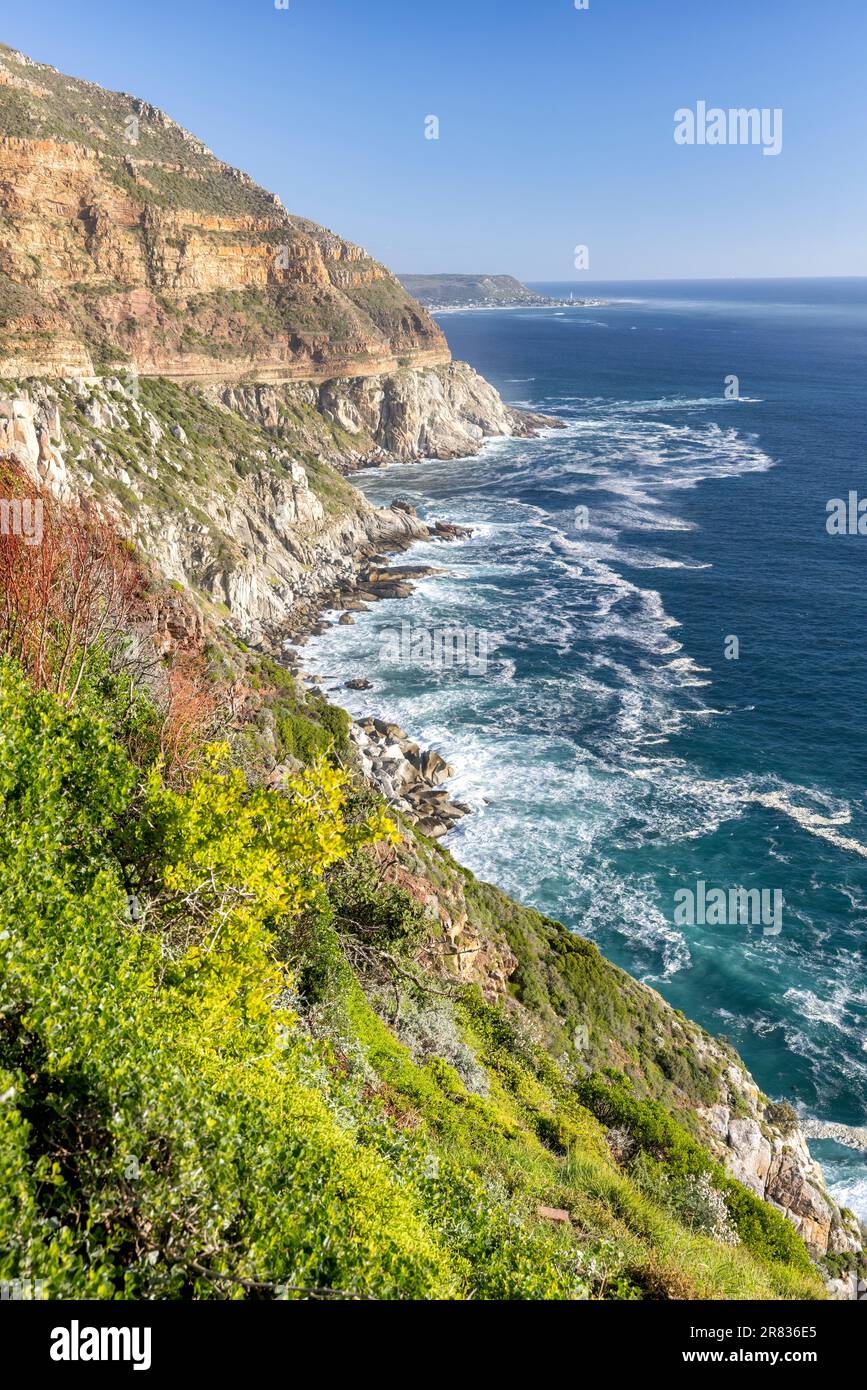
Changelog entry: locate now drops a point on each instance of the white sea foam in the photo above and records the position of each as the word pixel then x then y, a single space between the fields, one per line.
pixel 849 1191
pixel 812 821
pixel 829 1009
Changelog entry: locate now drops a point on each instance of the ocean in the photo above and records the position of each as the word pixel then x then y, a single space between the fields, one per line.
pixel 674 684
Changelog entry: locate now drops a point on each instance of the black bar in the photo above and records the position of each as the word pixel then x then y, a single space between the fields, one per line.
pixel 243 1336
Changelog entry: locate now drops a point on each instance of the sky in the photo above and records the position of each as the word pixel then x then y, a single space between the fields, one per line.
pixel 556 124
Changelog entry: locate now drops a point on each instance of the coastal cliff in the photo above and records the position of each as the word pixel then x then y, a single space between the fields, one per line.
pixel 249 520
pixel 441 412
pixel 234 491
pixel 124 242
pixel 490 1108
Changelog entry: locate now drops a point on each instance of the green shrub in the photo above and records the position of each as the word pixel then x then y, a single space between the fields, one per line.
pixel 298 737
pixel 158 1136
pixel 782 1116
pixel 650 1126
pixel 764 1231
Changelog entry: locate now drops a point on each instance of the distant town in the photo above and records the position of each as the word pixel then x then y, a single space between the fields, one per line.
pixel 438 293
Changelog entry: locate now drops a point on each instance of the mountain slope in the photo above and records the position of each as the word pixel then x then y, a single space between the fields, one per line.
pixel 125 241
pixel 258 1040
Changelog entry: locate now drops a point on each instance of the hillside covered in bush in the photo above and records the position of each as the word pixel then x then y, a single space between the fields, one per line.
pixel 259 1040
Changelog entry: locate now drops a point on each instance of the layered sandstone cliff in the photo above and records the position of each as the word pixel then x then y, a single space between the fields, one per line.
pixel 125 242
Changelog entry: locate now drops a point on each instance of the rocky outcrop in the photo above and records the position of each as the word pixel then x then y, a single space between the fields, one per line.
pixel 31 435
pixel 125 242
pixel 446 412
pixel 409 777
pixel 438 412
pixel 241 525
pixel 847 1288
pixel 774 1162
pixel 850 1136
pixel 456 949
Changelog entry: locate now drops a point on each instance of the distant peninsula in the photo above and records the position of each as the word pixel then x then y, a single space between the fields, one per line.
pixel 438 292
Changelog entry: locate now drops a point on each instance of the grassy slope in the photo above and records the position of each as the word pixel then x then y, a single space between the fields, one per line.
pixel 495 1091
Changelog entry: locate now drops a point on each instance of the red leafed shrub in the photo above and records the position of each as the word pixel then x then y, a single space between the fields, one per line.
pixel 68 582
pixel 189 713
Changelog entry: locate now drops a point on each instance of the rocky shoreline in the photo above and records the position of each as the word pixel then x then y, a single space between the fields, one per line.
pixel 409 777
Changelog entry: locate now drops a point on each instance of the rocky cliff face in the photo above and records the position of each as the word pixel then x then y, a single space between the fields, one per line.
pixel 772 1158
pixel 125 241
pixel 230 490
pixel 438 412
pixel 215 503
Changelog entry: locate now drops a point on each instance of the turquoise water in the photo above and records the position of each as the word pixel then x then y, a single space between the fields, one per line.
pixel 613 754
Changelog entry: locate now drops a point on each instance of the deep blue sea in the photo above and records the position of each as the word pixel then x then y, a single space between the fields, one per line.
pixel 613 752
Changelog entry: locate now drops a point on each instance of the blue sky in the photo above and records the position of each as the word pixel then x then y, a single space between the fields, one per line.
pixel 556 125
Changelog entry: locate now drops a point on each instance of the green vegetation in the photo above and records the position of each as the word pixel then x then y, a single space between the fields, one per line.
pixel 227 1072
pixel 305 725
pixel 655 1134
pixel 387 303
pixel 17 301
pixel 571 988
pixel 783 1115
pixel 163 1131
